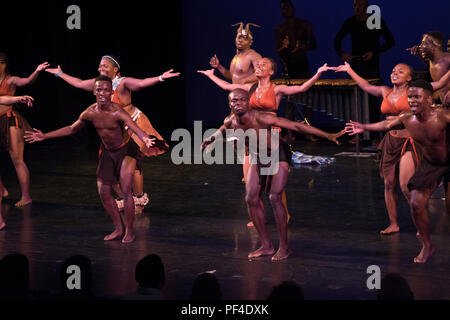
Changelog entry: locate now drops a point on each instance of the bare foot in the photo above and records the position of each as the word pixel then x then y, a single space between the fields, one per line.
pixel 250 224
pixel 2 224
pixel 138 209
pixel 393 228
pixel 129 237
pixel 424 254
pixel 23 202
pixel 261 252
pixel 281 255
pixel 116 233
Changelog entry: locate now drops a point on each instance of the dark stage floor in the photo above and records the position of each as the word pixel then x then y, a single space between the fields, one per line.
pixel 197 222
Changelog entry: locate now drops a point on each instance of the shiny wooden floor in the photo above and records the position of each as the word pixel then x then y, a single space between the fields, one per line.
pixel 196 222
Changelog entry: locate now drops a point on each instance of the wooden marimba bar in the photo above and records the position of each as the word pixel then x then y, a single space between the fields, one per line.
pixel 340 98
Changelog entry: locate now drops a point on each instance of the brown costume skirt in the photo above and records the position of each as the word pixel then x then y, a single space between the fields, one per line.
pixel 428 175
pixel 110 161
pixel 11 118
pixel 392 148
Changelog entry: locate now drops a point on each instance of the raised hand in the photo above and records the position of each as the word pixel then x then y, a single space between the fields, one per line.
pixel 214 62
pixel 414 50
pixel 169 74
pixel 33 136
pixel 207 73
pixel 54 70
pixel 324 68
pixel 344 67
pixel 354 127
pixel 42 66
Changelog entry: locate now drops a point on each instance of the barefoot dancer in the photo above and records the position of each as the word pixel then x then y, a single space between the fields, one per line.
pixel 122 89
pixel 398 152
pixel 8 100
pixel 119 154
pixel 265 95
pixel 244 117
pixel 427 126
pixel 13 125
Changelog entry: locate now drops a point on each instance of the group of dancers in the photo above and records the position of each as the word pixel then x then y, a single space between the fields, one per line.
pixel 414 151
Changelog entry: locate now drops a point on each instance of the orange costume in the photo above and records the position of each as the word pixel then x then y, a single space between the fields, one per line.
pixel 9 117
pixel 267 102
pixel 143 123
pixel 393 146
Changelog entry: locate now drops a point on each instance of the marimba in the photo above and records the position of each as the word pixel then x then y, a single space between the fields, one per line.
pixel 340 98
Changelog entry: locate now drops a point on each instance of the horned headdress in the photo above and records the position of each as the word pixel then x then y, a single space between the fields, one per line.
pixel 245 31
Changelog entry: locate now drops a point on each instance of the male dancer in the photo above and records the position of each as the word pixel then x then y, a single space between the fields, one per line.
pixel 245 118
pixel 243 65
pixel 122 89
pixel 119 153
pixel 427 126
pixel 431 52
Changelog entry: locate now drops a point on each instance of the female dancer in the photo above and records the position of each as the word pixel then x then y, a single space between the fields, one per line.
pixel 122 89
pixel 9 100
pixel 13 125
pixel 398 152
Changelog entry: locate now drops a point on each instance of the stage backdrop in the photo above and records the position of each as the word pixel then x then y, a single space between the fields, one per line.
pixel 207 31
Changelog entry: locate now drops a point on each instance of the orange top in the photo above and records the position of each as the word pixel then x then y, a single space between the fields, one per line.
pixel 399 106
pixel 267 102
pixel 5 90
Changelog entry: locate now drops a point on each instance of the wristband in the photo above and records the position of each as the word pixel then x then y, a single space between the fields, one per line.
pixel 161 79
pixel 59 73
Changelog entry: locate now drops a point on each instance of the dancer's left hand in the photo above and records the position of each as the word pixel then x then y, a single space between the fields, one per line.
pixel 33 136
pixel 42 66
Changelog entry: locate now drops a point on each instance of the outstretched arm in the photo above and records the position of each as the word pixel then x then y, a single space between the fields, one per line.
pixel 37 135
pixel 87 85
pixel 125 117
pixel 17 99
pixel 21 82
pixel 273 120
pixel 290 90
pixel 220 133
pixel 137 84
pixel 378 91
pixel 222 83
pixel 354 127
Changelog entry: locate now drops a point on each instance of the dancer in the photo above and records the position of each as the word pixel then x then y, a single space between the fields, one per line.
pixel 431 52
pixel 427 126
pixel 122 89
pixel 119 155
pixel 13 125
pixel 245 117
pixel 398 153
pixel 6 100
pixel 243 65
